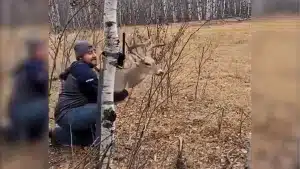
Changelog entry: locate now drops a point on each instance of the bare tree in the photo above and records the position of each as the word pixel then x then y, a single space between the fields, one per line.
pixel 144 12
pixel 208 13
pixel 174 11
pixel 235 7
pixel 240 7
pixel 199 9
pixel 249 8
pixel 54 15
pixel 189 9
pixel 214 9
pixel 223 8
pixel 165 8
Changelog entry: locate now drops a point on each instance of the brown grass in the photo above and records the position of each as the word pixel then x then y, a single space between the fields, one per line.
pixel 274 98
pixel 214 127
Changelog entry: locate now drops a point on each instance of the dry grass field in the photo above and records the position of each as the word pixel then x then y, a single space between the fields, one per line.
pixel 275 102
pixel 215 125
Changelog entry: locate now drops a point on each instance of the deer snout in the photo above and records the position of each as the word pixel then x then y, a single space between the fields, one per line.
pixel 159 72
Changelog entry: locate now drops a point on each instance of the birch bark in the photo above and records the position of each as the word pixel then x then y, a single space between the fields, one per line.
pixel 165 10
pixel 240 8
pixel 248 8
pixel 235 8
pixel 189 6
pixel 107 81
pixel 174 12
pixel 214 9
pixel 224 9
pixel 208 10
pixel 199 9
pixel 182 10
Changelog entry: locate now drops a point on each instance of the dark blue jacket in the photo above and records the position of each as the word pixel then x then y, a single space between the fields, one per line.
pixel 80 87
pixel 30 81
pixel 28 108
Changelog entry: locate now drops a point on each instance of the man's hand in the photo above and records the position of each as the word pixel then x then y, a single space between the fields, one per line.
pixel 97 68
pixel 120 60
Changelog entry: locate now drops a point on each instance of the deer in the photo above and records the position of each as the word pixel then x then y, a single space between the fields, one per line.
pixel 141 64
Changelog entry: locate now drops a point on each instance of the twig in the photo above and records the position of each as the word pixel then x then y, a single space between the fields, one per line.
pixel 231 163
pixel 100 163
pixel 180 162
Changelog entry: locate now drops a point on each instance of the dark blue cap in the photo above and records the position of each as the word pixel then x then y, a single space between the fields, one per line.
pixel 82 47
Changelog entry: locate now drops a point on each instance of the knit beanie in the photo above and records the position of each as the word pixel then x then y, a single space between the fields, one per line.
pixel 81 48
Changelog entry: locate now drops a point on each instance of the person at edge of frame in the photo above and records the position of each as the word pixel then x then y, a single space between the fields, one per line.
pixel 28 105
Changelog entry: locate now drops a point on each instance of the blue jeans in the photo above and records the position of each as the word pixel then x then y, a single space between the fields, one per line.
pixel 29 121
pixel 77 126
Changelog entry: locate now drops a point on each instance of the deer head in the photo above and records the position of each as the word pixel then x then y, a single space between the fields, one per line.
pixel 141 55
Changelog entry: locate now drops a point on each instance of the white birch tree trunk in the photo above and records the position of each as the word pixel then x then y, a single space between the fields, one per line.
pixel 71 13
pixel 199 9
pixel 130 12
pixel 165 10
pixel 208 9
pixel 235 6
pixel 248 8
pixel 137 11
pixel 54 14
pixel 133 13
pixel 152 11
pixel 57 14
pixel 182 10
pixel 120 14
pixel 240 12
pixel 214 9
pixel 105 97
pixel 51 14
pixel 174 12
pixel 85 15
pixel 90 14
pixel 224 9
pixel 189 5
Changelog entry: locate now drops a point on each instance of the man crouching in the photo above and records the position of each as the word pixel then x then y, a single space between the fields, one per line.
pixel 76 111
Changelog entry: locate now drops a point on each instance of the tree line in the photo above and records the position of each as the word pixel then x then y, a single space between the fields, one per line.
pixel 88 14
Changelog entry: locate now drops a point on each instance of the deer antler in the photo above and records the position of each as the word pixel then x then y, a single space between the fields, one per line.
pixel 134 46
pixel 135 55
pixel 144 44
pixel 156 46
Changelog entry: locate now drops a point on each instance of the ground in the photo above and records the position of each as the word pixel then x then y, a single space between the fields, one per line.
pixel 215 126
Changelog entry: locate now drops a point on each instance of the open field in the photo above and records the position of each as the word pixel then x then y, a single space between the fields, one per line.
pixel 215 126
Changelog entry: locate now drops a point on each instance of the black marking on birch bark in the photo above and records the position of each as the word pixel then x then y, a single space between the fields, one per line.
pixel 109 116
pixel 114 55
pixel 109 23
pixel 114 63
pixel 107 124
pixel 108 102
pixel 117 42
